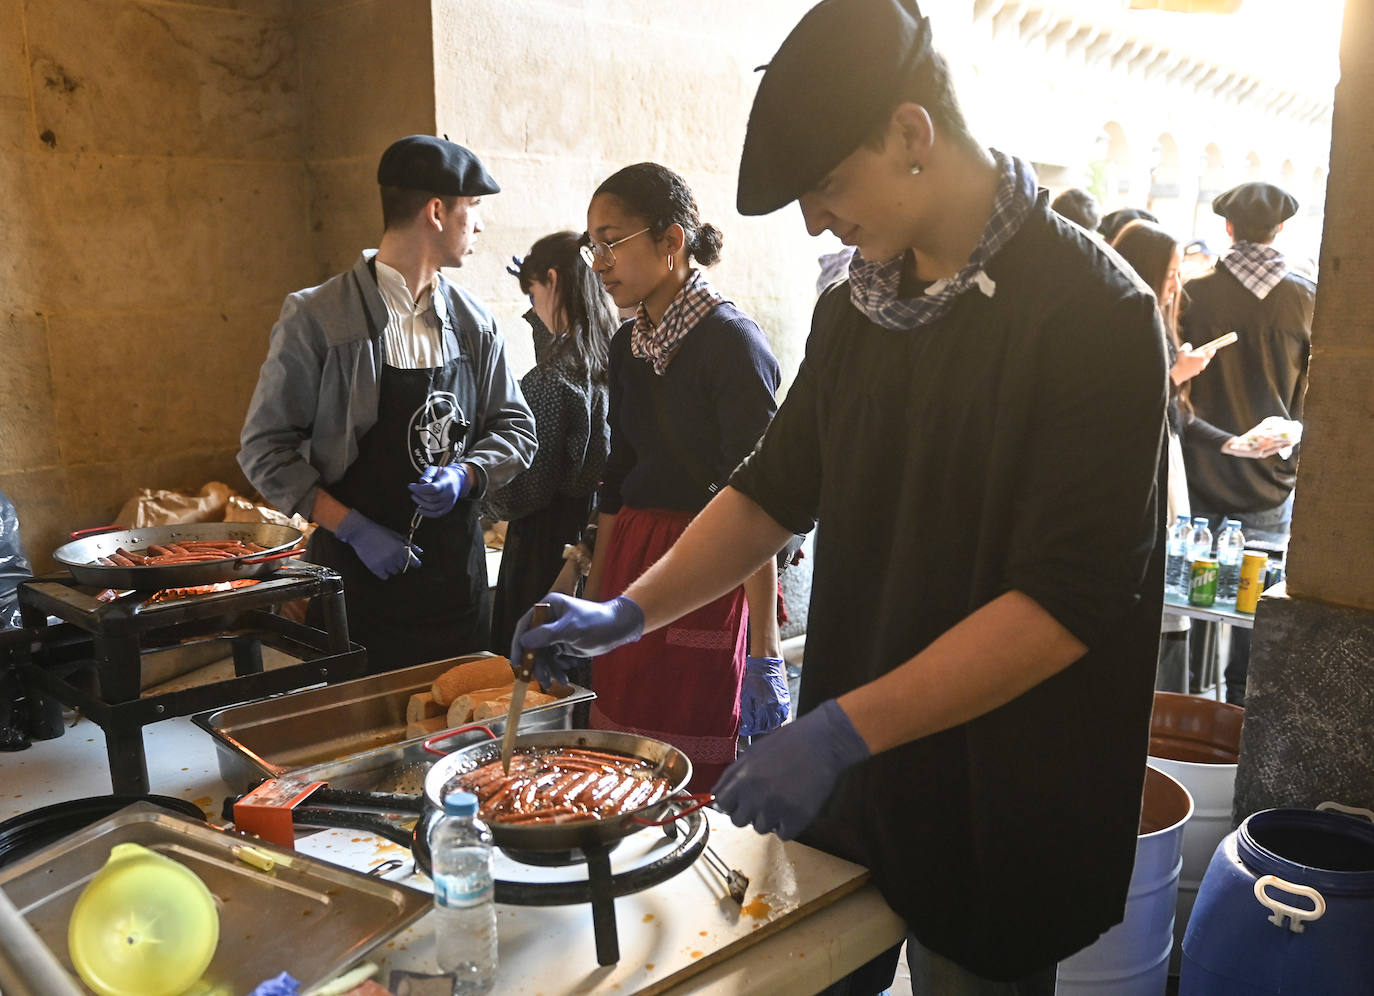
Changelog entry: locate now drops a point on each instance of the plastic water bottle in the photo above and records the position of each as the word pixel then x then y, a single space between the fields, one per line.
pixel 1176 564
pixel 1199 542
pixel 464 904
pixel 1230 550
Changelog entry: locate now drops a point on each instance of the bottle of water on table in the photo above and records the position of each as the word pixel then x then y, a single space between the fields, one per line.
pixel 464 904
pixel 1176 563
pixel 1199 542
pixel 1230 550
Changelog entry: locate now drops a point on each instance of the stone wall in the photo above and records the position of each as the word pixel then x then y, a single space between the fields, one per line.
pixel 153 211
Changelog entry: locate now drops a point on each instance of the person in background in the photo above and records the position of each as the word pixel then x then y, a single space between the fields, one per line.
pixel 385 406
pixel 1079 206
pixel 1253 292
pixel 980 651
pixel 1155 255
pixel 548 505
pixel 692 385
pixel 1114 221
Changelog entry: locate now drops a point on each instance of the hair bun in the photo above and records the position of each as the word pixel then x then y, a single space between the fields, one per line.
pixel 706 244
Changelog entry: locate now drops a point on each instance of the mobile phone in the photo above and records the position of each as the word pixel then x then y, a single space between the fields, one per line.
pixel 1221 340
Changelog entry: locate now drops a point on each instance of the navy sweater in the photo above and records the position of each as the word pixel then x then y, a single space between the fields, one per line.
pixel 675 439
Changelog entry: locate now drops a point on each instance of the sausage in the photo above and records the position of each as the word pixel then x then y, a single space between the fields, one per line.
pixel 121 560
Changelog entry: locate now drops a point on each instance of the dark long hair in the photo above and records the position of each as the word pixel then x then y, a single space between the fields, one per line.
pixel 663 199
pixel 1149 249
pixel 578 298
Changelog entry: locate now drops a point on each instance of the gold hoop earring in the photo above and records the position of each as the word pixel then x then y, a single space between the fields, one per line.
pixel 670 261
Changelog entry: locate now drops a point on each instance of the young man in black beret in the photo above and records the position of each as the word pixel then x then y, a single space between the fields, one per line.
pixel 385 410
pixel 977 423
pixel 1252 292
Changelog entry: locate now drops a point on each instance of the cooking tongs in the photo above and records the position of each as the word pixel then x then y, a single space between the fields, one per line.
pixel 446 458
pixel 735 880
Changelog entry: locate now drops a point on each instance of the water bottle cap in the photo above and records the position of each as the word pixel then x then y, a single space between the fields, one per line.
pixel 460 804
pixel 1200 520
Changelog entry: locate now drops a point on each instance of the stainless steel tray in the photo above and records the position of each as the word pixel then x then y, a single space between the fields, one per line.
pixel 304 916
pixel 351 720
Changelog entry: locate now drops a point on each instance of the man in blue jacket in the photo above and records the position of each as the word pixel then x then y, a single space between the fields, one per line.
pixel 385 411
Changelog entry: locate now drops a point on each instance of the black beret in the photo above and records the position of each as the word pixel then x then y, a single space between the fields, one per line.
pixel 1115 221
pixel 435 165
pixel 1256 205
pixel 835 78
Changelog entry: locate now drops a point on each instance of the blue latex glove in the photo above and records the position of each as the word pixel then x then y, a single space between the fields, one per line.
pixel 439 488
pixel 381 550
pixel 283 985
pixel 576 628
pixel 764 699
pixel 780 783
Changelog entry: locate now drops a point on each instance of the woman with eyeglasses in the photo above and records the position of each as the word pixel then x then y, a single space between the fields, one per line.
pixel 692 385
pixel 548 505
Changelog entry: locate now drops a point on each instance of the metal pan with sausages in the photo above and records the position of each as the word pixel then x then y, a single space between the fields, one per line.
pixel 89 547
pixel 662 759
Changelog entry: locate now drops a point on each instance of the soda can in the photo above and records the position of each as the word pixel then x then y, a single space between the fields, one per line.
pixel 1252 580
pixel 1202 586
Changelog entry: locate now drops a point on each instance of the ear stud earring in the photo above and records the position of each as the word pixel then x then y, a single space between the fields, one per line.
pixel 915 169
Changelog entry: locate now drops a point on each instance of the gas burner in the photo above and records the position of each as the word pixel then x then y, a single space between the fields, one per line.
pixel 601 885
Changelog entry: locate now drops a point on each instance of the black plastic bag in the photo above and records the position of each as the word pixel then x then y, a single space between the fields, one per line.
pixel 14 568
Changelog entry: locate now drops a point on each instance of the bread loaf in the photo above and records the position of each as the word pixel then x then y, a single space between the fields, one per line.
pixel 425 727
pixel 460 710
pixel 500 706
pixel 469 677
pixel 422 706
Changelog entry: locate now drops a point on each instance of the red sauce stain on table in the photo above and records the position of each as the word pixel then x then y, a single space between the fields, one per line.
pixel 697 954
pixel 648 917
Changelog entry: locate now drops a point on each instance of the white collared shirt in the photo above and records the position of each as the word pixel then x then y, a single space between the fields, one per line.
pixel 413 337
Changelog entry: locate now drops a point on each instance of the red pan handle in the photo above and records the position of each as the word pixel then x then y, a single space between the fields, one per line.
pixel 95 529
pixel 699 801
pixel 275 556
pixel 429 744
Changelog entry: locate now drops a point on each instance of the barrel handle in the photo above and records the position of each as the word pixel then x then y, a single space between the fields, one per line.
pixel 1296 917
pixel 1349 810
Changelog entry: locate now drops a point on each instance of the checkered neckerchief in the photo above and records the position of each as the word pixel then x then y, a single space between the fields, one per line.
pixel 1259 268
pixel 658 344
pixel 873 287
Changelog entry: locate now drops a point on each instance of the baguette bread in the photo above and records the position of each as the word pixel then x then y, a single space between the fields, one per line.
pixel 460 710
pixel 470 677
pixel 425 727
pixel 422 706
pixel 500 706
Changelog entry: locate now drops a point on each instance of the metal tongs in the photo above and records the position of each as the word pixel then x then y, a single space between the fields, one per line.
pixel 735 880
pixel 446 458
pixel 524 671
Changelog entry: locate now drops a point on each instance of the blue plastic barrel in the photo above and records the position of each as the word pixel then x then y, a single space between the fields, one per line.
pixel 1286 906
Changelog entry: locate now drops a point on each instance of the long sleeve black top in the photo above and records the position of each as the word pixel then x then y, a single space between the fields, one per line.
pixel 1013 444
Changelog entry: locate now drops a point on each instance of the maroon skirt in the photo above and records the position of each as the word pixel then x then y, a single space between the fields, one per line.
pixel 679 684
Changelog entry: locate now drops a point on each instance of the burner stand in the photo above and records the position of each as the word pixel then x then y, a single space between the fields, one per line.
pixel 112 637
pixel 602 886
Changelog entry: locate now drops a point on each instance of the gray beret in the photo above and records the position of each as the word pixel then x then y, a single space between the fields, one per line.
pixel 435 165
pixel 826 91
pixel 1256 205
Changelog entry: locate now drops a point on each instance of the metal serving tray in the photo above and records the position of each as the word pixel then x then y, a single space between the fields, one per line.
pixel 303 916
pixel 349 721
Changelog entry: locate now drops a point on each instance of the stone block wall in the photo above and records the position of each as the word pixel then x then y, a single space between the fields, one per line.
pixel 153 218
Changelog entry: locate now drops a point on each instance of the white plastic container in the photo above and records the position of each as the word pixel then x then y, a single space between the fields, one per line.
pixel 1132 959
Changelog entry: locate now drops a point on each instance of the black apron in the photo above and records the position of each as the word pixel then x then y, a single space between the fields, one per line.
pixel 442 608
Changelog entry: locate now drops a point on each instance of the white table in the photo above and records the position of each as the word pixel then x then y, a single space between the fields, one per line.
pixel 808 919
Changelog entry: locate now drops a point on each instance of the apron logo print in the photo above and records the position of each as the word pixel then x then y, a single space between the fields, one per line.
pixel 437 431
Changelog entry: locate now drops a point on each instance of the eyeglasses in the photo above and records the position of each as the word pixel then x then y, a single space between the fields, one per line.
pixel 595 252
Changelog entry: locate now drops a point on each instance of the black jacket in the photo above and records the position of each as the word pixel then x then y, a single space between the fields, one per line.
pixel 1013 444
pixel 1263 373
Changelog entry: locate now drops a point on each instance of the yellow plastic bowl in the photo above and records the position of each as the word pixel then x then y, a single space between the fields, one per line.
pixel 145 925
